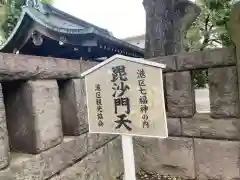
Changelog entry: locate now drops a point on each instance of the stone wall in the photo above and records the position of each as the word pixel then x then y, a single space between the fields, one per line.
pixel 201 146
pixel 44 132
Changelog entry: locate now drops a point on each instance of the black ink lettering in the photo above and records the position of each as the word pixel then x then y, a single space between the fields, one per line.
pixel 122 102
pixel 141 82
pixel 141 73
pixel 123 122
pixel 145 117
pixel 143 100
pixel 143 91
pixel 99 116
pixel 100 123
pixel 144 108
pixel 119 72
pixel 97 87
pixel 99 105
pixel 98 95
pixel 99 102
pixel 145 123
pixel 99 108
pixel 122 88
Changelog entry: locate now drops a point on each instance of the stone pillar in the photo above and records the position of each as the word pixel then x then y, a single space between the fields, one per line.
pixel 4 144
pixel 234 27
pixel 223 88
pixel 166 24
pixel 33 115
pixel 74 115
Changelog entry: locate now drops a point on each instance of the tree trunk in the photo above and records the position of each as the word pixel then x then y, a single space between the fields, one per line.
pixel 166 23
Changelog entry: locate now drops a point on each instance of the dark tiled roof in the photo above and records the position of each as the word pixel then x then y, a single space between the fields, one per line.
pixel 62 23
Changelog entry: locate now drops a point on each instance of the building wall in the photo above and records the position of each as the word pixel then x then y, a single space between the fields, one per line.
pixel 137 41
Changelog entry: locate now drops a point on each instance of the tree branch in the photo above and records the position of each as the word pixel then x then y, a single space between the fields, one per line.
pixel 217 41
pixel 211 27
pixel 206 35
pixel 206 22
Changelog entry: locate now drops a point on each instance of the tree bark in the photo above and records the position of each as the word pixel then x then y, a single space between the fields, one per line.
pixel 166 23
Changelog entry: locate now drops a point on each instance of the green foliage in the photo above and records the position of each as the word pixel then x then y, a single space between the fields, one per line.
pixel 209 31
pixel 47 1
pixel 11 11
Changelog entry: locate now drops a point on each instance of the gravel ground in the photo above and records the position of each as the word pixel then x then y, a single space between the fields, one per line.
pixel 142 175
pixel 147 176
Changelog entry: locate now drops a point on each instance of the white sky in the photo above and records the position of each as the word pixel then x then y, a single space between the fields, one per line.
pixel 123 18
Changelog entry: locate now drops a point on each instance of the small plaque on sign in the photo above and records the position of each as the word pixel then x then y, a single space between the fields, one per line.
pixel 125 96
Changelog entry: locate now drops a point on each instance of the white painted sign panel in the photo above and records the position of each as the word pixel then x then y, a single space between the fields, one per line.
pixel 125 96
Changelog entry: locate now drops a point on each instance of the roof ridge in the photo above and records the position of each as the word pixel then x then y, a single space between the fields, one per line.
pixel 53 10
pixel 132 37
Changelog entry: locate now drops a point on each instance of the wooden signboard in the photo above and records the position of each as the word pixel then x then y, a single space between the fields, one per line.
pixel 125 96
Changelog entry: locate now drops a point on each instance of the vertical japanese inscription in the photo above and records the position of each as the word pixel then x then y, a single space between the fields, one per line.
pixel 121 102
pixel 99 105
pixel 143 100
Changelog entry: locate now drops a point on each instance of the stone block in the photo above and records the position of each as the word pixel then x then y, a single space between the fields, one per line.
pixel 45 165
pixel 103 164
pixel 4 142
pixel 115 158
pixel 202 125
pixel 34 67
pixel 220 56
pixel 85 65
pixel 58 158
pixel 169 61
pixel 172 156
pixel 180 99
pixel 94 167
pixel 206 59
pixel 174 126
pixel 186 60
pixel 96 141
pixel 223 92
pixel 33 115
pixel 73 106
pixel 217 159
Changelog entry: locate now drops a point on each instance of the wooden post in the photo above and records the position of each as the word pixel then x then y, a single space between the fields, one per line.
pixel 166 24
pixel 128 158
